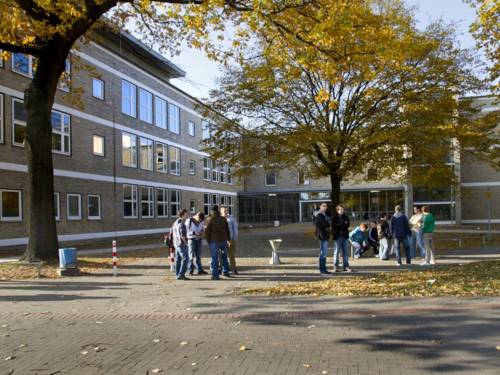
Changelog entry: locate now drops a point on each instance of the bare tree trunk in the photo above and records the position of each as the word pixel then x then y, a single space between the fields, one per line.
pixel 335 180
pixel 39 98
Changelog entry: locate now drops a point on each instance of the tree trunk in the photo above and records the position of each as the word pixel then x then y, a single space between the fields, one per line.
pixel 335 180
pixel 39 98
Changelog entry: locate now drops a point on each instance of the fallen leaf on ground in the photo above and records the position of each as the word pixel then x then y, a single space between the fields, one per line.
pixel 324 372
pixel 9 358
pixel 193 364
pixel 243 348
pixel 306 365
pixel 156 370
pixel 84 352
pixel 22 345
pixel 156 341
pixel 312 326
pixel 217 357
pixel 183 343
pixel 98 322
pixel 5 325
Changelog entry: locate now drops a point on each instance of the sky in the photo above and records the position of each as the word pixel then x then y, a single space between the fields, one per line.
pixel 202 72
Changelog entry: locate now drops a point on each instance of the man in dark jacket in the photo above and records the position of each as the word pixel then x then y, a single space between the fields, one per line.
pixel 323 234
pixel 340 231
pixel 400 229
pixel 217 234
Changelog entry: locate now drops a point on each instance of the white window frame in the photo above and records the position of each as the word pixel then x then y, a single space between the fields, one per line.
pixel 174 118
pixel 64 83
pixel 1 113
pixel 207 169
pixel 149 202
pixel 192 167
pixel 99 217
pixel 57 208
pixel 131 102
pixel 205 130
pixel 223 174
pixel 192 206
pixel 161 110
pixel 133 150
pixel 100 96
pixel 16 122
pixel 103 140
pixel 162 166
pixel 177 170
pixel 173 213
pixel 230 204
pixel 30 65
pixel 146 108
pixel 62 133
pixel 215 171
pixel 265 178
pixel 19 202
pixel 163 203
pixel 229 176
pixel 191 128
pixel 149 166
pixel 132 201
pixel 79 216
pixel 306 180
pixel 207 203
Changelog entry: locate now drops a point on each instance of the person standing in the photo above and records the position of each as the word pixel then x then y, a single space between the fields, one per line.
pixel 323 233
pixel 417 237
pixel 340 234
pixel 384 237
pixel 233 236
pixel 373 238
pixel 217 235
pixel 195 230
pixel 181 245
pixel 400 229
pixel 428 227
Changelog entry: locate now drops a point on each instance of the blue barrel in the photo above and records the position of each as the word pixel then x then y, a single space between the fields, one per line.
pixel 67 257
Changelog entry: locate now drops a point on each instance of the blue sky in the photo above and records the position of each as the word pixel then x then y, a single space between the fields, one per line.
pixel 201 72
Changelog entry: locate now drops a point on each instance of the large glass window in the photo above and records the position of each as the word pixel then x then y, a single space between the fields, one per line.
pixel 192 167
pixel 94 207
pixel 129 201
pixel 161 158
pixel 174 118
pixel 98 145
pixel 146 154
pixel 229 176
pixel 98 88
pixel 12 205
pixel 145 106
pixel 61 133
pixel 22 64
pixel 215 171
pixel 129 101
pixel 192 206
pixel 207 167
pixel 160 113
pixel 174 160
pixel 270 179
pixel 74 206
pixel 205 130
pixel 206 203
pixel 161 202
pixel 223 173
pixel 175 202
pixel 147 202
pixel 191 128
pixel 129 150
pixel 18 122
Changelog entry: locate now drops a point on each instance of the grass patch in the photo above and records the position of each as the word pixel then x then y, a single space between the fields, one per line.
pixel 467 280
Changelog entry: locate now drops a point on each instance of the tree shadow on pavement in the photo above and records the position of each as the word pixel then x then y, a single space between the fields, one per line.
pixel 50 298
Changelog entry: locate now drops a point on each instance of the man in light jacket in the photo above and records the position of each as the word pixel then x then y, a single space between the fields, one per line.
pixel 417 234
pixel 233 236
pixel 181 246
pixel 400 229
pixel 195 231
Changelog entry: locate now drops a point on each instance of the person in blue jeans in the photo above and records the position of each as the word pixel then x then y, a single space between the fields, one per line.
pixel 358 238
pixel 181 245
pixel 323 233
pixel 340 232
pixel 195 230
pixel 400 229
pixel 217 234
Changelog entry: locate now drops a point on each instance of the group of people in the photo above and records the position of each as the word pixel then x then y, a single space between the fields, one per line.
pixel 385 236
pixel 221 232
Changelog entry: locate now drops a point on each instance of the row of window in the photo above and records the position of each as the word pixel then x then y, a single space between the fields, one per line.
pixel 142 199
pixel 215 172
pixel 210 200
pixel 270 179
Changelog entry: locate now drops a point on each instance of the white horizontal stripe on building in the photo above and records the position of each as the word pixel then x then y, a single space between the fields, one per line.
pixel 480 184
pixel 481 221
pixel 86 236
pixel 434 202
pixel 108 123
pixel 121 180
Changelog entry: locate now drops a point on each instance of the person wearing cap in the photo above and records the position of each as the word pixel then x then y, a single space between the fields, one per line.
pixel 218 237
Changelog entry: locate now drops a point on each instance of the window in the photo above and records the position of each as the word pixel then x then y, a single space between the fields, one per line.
pixel 98 145
pixel 229 177
pixel 270 179
pixel 174 156
pixel 371 174
pixel 19 122
pixel 230 204
pixel 146 154
pixel 161 202
pixel 65 79
pixel 175 202
pixel 207 166
pixel 205 130
pixel 214 200
pixel 12 205
pixel 192 206
pixel 192 167
pixel 160 113
pixel 129 93
pixel 60 133
pixel 22 64
pixel 57 207
pixel 206 203
pixel 161 158
pixel 97 88
pixel 223 173
pixel 215 171
pixel 191 128
pixel 145 106
pixel 302 179
pixel 147 202
pixel 129 201
pixel 129 150
pixel 94 207
pixel 1 112
pixel 74 206
pixel 174 121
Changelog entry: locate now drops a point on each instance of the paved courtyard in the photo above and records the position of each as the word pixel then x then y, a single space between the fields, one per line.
pixel 146 322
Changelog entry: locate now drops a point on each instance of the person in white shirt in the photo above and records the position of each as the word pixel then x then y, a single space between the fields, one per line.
pixel 233 236
pixel 195 231
pixel 417 234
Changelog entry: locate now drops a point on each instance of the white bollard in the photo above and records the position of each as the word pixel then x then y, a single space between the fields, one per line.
pixel 275 244
pixel 115 260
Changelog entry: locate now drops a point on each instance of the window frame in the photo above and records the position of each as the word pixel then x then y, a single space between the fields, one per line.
pixel 148 106
pixel 160 114
pixel 150 202
pixel 191 128
pixel 68 216
pixel 192 167
pixel 132 201
pixel 164 162
pixel 132 148
pixel 215 172
pixel 17 122
pixel 30 65
pixel 94 79
pixel 265 178
pixel 65 85
pixel 98 196
pixel 94 136
pixel 207 169
pixel 172 117
pixel 19 205
pixel 62 134
pixel 173 213
pixel 192 206
pixel 205 130
pixel 151 154
pixel 306 181
pixel 163 203
pixel 177 161
pixel 132 100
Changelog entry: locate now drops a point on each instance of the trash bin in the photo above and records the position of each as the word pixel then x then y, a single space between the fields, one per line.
pixel 67 257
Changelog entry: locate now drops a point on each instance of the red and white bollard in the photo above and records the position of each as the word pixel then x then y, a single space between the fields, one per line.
pixel 115 260
pixel 172 260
